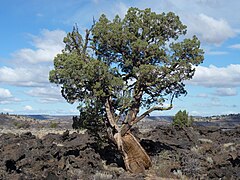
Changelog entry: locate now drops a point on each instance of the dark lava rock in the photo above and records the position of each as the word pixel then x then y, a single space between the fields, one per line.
pixel 178 153
pixel 54 157
pixel 199 152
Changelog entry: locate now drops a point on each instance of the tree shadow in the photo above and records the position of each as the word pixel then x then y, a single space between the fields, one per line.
pixel 153 148
pixel 111 155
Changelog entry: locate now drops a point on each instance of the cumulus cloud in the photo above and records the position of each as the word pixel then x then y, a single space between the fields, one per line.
pixel 66 112
pixel 24 76
pixel 195 113
pixel 28 108
pixel 7 110
pixel 30 68
pixel 6 97
pixel 220 77
pixel 235 46
pixel 208 19
pixel 209 29
pixel 46 94
pixel 46 46
pixel 226 92
pixel 5 93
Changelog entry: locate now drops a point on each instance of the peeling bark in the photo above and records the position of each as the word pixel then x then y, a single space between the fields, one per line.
pixel 135 157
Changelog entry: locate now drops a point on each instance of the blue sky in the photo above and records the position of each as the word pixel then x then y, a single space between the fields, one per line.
pixel 32 31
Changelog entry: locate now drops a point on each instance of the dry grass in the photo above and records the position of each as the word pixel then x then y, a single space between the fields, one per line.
pixel 163 165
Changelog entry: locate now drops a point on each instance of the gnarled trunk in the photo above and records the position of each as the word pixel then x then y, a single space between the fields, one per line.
pixel 135 157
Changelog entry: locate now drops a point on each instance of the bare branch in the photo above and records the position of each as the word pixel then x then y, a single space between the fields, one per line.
pixel 132 113
pixel 110 116
pixel 154 109
pixel 88 31
pixel 134 120
pixel 151 110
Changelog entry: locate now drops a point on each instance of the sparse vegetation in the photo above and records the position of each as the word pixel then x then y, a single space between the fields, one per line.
pixel 182 119
pixel 177 153
pixel 53 125
pixel 102 176
pixel 20 125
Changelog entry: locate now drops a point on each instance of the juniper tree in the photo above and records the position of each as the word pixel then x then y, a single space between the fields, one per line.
pixel 122 65
pixel 182 119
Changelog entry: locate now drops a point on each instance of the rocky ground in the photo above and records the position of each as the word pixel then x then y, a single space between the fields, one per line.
pixel 189 153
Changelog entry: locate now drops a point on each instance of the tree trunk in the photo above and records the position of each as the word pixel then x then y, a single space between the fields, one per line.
pixel 135 157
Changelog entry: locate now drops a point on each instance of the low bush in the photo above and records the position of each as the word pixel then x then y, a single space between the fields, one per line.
pixel 53 125
pixel 182 119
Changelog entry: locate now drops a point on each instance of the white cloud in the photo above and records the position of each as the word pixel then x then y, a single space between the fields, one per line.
pixel 216 52
pixel 208 29
pixel 6 97
pixel 202 95
pixel 220 77
pixel 209 19
pixel 226 92
pixel 47 94
pixel 7 110
pixel 67 111
pixel 46 46
pixel 28 108
pixel 195 113
pixel 235 46
pixel 24 76
pixel 5 93
pixel 28 68
pixel 121 9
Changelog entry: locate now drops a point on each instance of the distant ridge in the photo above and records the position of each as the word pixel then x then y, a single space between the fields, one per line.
pixel 40 117
pixel 49 117
pixel 160 118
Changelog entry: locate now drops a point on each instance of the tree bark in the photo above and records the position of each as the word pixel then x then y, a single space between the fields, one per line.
pixel 135 157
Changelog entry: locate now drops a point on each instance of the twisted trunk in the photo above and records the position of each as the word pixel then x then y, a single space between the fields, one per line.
pixel 135 157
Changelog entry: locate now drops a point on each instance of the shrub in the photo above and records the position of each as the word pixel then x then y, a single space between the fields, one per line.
pixel 53 125
pixel 182 119
pixel 20 125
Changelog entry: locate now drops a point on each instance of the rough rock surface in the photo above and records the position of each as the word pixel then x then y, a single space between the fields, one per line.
pixel 195 153
pixel 53 157
pixel 190 153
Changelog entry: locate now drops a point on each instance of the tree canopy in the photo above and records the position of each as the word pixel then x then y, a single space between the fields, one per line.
pixel 122 65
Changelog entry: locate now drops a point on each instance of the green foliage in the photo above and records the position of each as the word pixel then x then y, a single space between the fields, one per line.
pixel 182 119
pixel 53 125
pixel 138 61
pixel 20 125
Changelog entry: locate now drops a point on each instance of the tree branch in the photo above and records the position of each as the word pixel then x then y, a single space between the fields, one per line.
pixel 132 113
pixel 151 110
pixel 128 124
pixel 154 109
pixel 87 37
pixel 110 116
